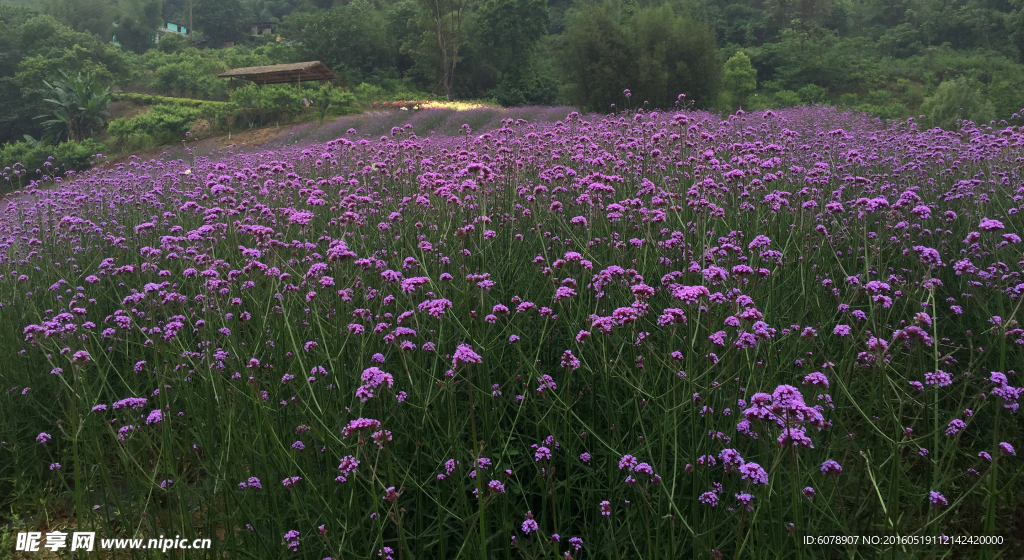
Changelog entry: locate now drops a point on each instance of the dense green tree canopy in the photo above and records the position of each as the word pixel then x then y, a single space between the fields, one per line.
pixel 655 52
pixel 93 16
pixel 221 21
pixel 947 59
pixel 350 39
pixel 136 24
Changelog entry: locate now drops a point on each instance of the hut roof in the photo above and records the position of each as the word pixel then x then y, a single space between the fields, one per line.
pixel 283 73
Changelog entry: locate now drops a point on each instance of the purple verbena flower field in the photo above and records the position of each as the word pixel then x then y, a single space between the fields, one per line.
pixel 645 335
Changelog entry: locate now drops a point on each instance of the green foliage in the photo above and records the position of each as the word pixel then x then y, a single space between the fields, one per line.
pixel 1006 93
pixel 813 94
pixel 261 105
pixel 163 124
pixel 325 97
pixel 77 107
pixel 278 99
pixel 45 48
pixel 38 49
pixel 739 80
pixel 367 94
pixel 883 57
pixel 136 24
pixel 957 100
pixel 144 99
pixel 822 58
pixel 511 29
pixel 76 155
pixel 172 43
pixel 31 156
pixel 655 52
pixel 171 119
pixel 273 10
pixel 92 16
pixel 221 20
pixel 786 98
pixel 848 99
pixel 191 72
pixel 530 88
pixel 350 39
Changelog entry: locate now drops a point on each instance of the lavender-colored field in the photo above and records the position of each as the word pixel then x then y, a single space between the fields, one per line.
pixel 649 335
pixel 427 123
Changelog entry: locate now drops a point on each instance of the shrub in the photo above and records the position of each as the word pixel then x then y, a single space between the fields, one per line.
pixel 29 159
pixel 191 72
pixel 163 123
pixel 813 94
pixel 955 100
pixel 786 98
pixel 172 43
pixel 325 97
pixel 143 99
pixel 267 104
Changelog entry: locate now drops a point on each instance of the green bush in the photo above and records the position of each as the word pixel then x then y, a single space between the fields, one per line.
pixel 143 99
pixel 954 100
pixel 30 157
pixel 172 43
pixel 366 94
pixel 190 73
pixel 164 123
pixel 813 94
pixel 890 110
pixel 267 104
pixel 325 98
pixel 787 98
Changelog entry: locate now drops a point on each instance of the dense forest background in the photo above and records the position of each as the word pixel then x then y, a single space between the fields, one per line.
pixel 945 59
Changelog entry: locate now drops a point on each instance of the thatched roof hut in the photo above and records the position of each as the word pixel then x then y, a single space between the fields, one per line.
pixel 313 71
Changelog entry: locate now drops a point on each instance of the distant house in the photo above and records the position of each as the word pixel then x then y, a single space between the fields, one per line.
pixel 262 28
pixel 167 27
pixel 170 27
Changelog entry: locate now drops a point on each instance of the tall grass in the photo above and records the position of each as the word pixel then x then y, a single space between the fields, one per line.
pixel 670 336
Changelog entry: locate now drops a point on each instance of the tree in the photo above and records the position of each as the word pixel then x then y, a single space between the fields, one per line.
pixel 92 16
pixel 402 23
pixel 596 58
pixel 445 19
pixel 739 80
pixel 220 20
pixel 350 39
pixel 654 52
pixel 34 48
pixel 512 29
pixel 78 107
pixel 137 22
pixel 954 100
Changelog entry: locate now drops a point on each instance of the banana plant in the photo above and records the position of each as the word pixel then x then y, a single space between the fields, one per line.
pixel 78 106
